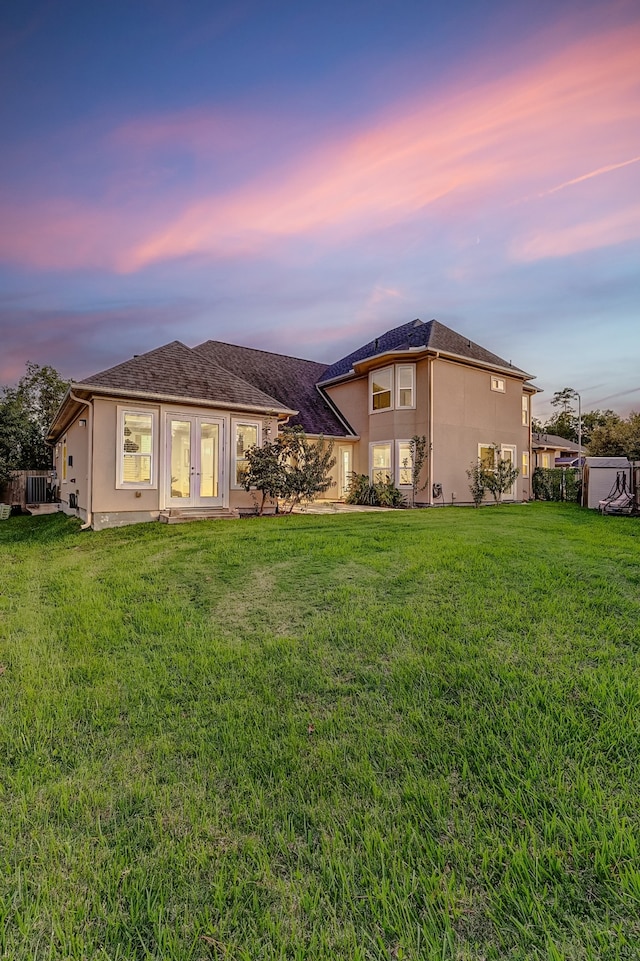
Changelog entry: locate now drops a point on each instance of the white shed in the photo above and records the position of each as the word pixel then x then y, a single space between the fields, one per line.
pixel 600 477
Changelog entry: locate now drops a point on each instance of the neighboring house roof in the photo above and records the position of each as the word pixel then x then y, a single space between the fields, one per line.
pixel 541 441
pixel 290 379
pixel 178 371
pixel 415 335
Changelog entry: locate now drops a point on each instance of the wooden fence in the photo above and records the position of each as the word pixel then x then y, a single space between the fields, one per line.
pixel 15 492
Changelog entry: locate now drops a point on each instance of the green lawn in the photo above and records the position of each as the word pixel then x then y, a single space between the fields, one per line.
pixel 411 735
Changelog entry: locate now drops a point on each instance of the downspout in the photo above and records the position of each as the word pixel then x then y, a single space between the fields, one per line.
pixel 87 403
pixel 431 470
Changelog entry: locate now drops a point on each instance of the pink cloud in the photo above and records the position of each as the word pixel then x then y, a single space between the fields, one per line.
pixel 616 228
pixel 478 145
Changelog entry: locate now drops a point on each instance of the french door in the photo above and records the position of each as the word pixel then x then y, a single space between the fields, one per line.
pixel 508 453
pixel 195 446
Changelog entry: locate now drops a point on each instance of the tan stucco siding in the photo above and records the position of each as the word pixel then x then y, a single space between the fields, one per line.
pixel 468 413
pixel 106 498
pixel 73 444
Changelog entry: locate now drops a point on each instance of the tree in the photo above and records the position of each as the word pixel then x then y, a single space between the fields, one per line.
pixel 563 423
pixel 307 466
pixel 501 479
pixel 418 446
pixel 617 437
pixel 26 411
pixel 290 468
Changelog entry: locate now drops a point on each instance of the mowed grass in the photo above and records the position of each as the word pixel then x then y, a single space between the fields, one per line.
pixel 410 735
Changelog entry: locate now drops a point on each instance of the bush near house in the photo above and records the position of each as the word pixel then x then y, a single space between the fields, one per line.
pixel 361 490
pixel 408 735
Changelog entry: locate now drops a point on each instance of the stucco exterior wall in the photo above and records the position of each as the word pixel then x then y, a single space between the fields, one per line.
pixel 468 413
pixel 73 444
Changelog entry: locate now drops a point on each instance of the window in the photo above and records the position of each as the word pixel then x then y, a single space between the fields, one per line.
pixel 136 455
pixel 405 375
pixel 487 456
pixel 405 463
pixel 525 463
pixel 497 383
pixel 246 434
pixel 525 410
pixel 546 460
pixel 64 460
pixel 381 463
pixel 381 388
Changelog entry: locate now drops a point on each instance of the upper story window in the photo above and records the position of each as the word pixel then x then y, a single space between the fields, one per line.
pixel 525 410
pixel 392 387
pixel 498 383
pixel 382 389
pixel 246 434
pixel 136 460
pixel 405 386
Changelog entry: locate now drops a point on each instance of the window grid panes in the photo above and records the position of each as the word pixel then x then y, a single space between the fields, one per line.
pixel 405 385
pixel 525 410
pixel 497 383
pixel 246 437
pixel 137 441
pixel 381 388
pixel 381 463
pixel 525 463
pixel 405 464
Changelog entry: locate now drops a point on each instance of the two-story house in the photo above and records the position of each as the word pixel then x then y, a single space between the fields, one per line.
pixel 168 430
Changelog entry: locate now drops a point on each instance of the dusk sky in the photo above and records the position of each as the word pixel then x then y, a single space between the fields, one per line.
pixel 301 177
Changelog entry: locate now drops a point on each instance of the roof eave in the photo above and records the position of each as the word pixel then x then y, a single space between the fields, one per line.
pixel 158 396
pixel 364 365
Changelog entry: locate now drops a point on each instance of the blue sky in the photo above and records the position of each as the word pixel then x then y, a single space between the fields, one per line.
pixel 302 177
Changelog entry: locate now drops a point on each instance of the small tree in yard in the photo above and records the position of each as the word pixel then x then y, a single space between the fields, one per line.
pixel 290 468
pixel 477 483
pixel 501 478
pixel 307 467
pixel 418 458
pixel 264 473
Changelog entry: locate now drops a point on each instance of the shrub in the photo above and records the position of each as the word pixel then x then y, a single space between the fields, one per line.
pixel 381 494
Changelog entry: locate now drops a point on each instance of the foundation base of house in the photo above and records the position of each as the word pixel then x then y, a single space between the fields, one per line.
pixel 182 516
pixel 101 521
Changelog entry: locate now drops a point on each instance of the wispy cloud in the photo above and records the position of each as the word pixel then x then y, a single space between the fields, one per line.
pixel 589 176
pixel 439 157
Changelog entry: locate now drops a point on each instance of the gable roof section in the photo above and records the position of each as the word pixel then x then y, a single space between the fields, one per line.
pixel 413 336
pixel 178 371
pixel 290 379
pixel 540 441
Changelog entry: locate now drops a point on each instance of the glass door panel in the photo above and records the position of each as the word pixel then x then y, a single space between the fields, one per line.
pixel 209 459
pixel 195 459
pixel 180 460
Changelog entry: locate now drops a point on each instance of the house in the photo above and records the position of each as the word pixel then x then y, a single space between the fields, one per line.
pixel 167 431
pixel 550 450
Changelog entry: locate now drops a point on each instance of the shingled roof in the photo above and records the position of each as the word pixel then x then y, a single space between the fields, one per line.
pixel 290 379
pixel 176 370
pixel 416 334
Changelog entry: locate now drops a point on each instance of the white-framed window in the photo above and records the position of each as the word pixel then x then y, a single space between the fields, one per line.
pixel 405 386
pixel 525 463
pixel 392 387
pixel 404 464
pixel 381 389
pixel 136 456
pixel 64 461
pixel 498 383
pixel 487 456
pixel 381 469
pixel 525 410
pixel 245 434
pixel 546 459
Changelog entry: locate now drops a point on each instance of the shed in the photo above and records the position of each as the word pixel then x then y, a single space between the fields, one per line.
pixel 600 477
